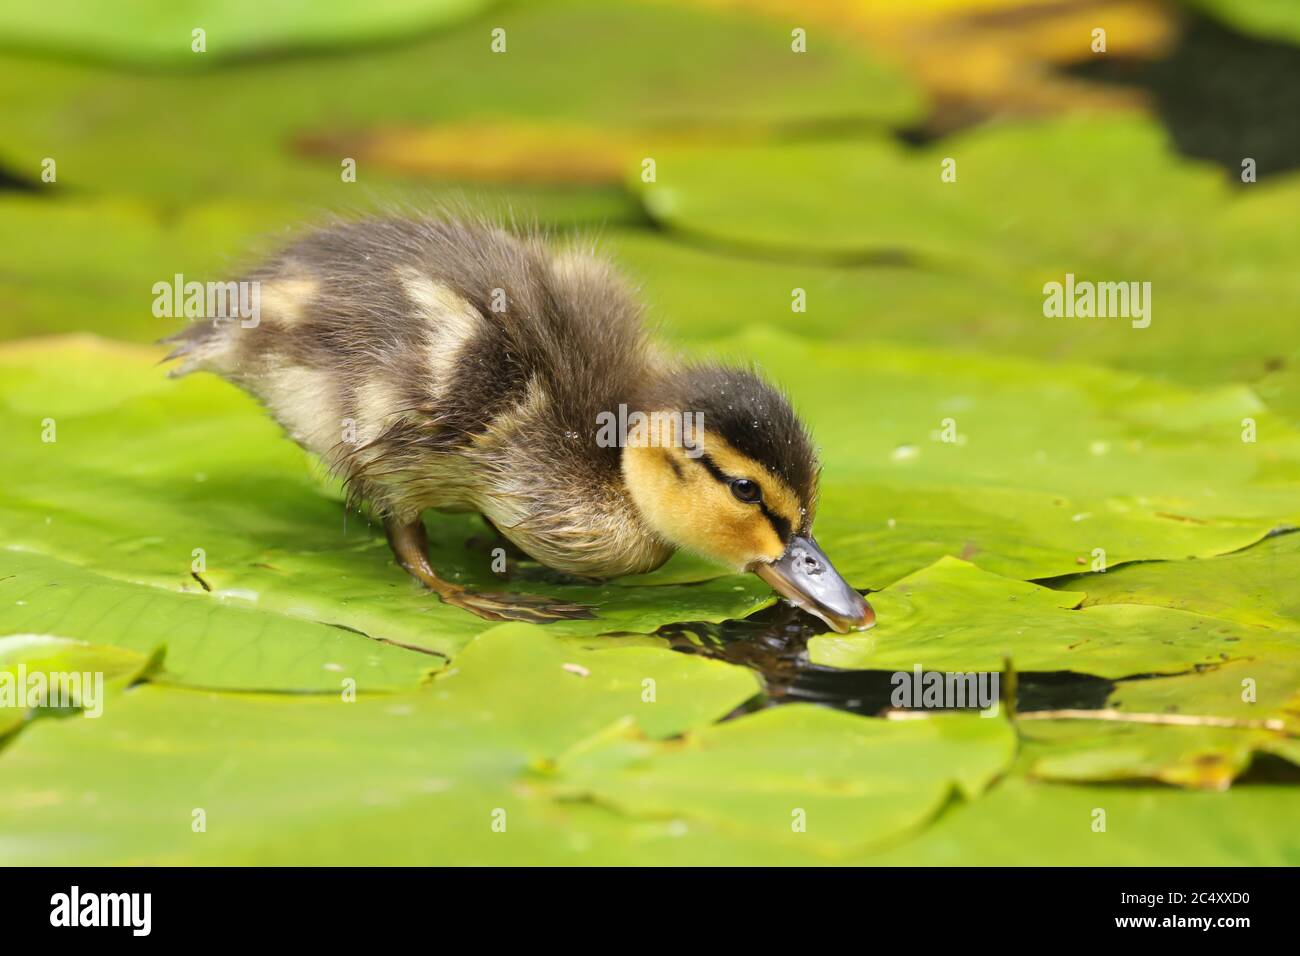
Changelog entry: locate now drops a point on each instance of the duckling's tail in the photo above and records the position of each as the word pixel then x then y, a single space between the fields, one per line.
pixel 200 345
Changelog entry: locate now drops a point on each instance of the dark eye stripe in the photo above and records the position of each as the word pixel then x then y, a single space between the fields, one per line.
pixel 779 524
pixel 712 468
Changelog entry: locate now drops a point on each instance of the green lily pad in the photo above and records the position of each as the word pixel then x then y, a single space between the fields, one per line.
pixel 417 777
pixel 1241 690
pixel 1280 390
pixel 1208 758
pixel 1254 586
pixel 790 196
pixel 1260 697
pixel 953 616
pixel 47 652
pixel 799 774
pixel 219 641
pixel 79 670
pixel 152 34
pixel 1249 587
pixel 89 265
pixel 1221 264
pixel 212 134
pixel 700 292
pixel 530 676
pixel 1027 823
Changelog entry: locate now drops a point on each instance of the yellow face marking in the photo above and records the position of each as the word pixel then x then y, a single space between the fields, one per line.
pixel 779 497
pixel 690 507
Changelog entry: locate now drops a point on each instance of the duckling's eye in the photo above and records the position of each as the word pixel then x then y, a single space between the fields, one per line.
pixel 747 491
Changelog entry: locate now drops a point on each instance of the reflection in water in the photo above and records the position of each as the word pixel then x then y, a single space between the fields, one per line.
pixel 774 643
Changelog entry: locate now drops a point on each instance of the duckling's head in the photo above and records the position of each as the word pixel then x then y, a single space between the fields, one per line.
pixel 720 465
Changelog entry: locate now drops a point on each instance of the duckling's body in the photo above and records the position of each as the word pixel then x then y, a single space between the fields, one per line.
pixel 446 364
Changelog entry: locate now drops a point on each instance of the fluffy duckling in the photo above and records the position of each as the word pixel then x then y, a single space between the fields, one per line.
pixel 446 363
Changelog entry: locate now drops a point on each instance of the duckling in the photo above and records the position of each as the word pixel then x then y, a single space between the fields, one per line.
pixel 449 363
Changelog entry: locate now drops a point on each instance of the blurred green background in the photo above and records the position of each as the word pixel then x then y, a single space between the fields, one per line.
pixel 163 532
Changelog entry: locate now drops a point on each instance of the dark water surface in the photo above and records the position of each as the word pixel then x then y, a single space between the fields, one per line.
pixel 774 643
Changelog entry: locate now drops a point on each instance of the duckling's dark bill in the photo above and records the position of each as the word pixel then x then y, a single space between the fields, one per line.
pixel 806 577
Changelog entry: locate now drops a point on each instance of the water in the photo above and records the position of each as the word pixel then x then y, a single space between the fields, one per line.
pixel 774 644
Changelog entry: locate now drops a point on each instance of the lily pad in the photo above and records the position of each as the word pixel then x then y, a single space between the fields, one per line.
pixel 1207 758
pixel 1231 713
pixel 953 616
pixel 1281 389
pixel 1244 690
pixel 531 677
pixel 89 265
pixel 799 774
pixel 1254 586
pixel 435 776
pixel 152 34
pixel 699 291
pixel 870 196
pixel 1030 205
pixel 1235 596
pixel 35 665
pixel 213 134
pixel 220 641
pixel 1027 823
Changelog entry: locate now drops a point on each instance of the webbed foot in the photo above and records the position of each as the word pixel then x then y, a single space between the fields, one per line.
pixel 507 606
pixel 411 548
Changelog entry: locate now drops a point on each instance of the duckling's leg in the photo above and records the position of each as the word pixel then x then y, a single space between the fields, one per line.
pixel 411 547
